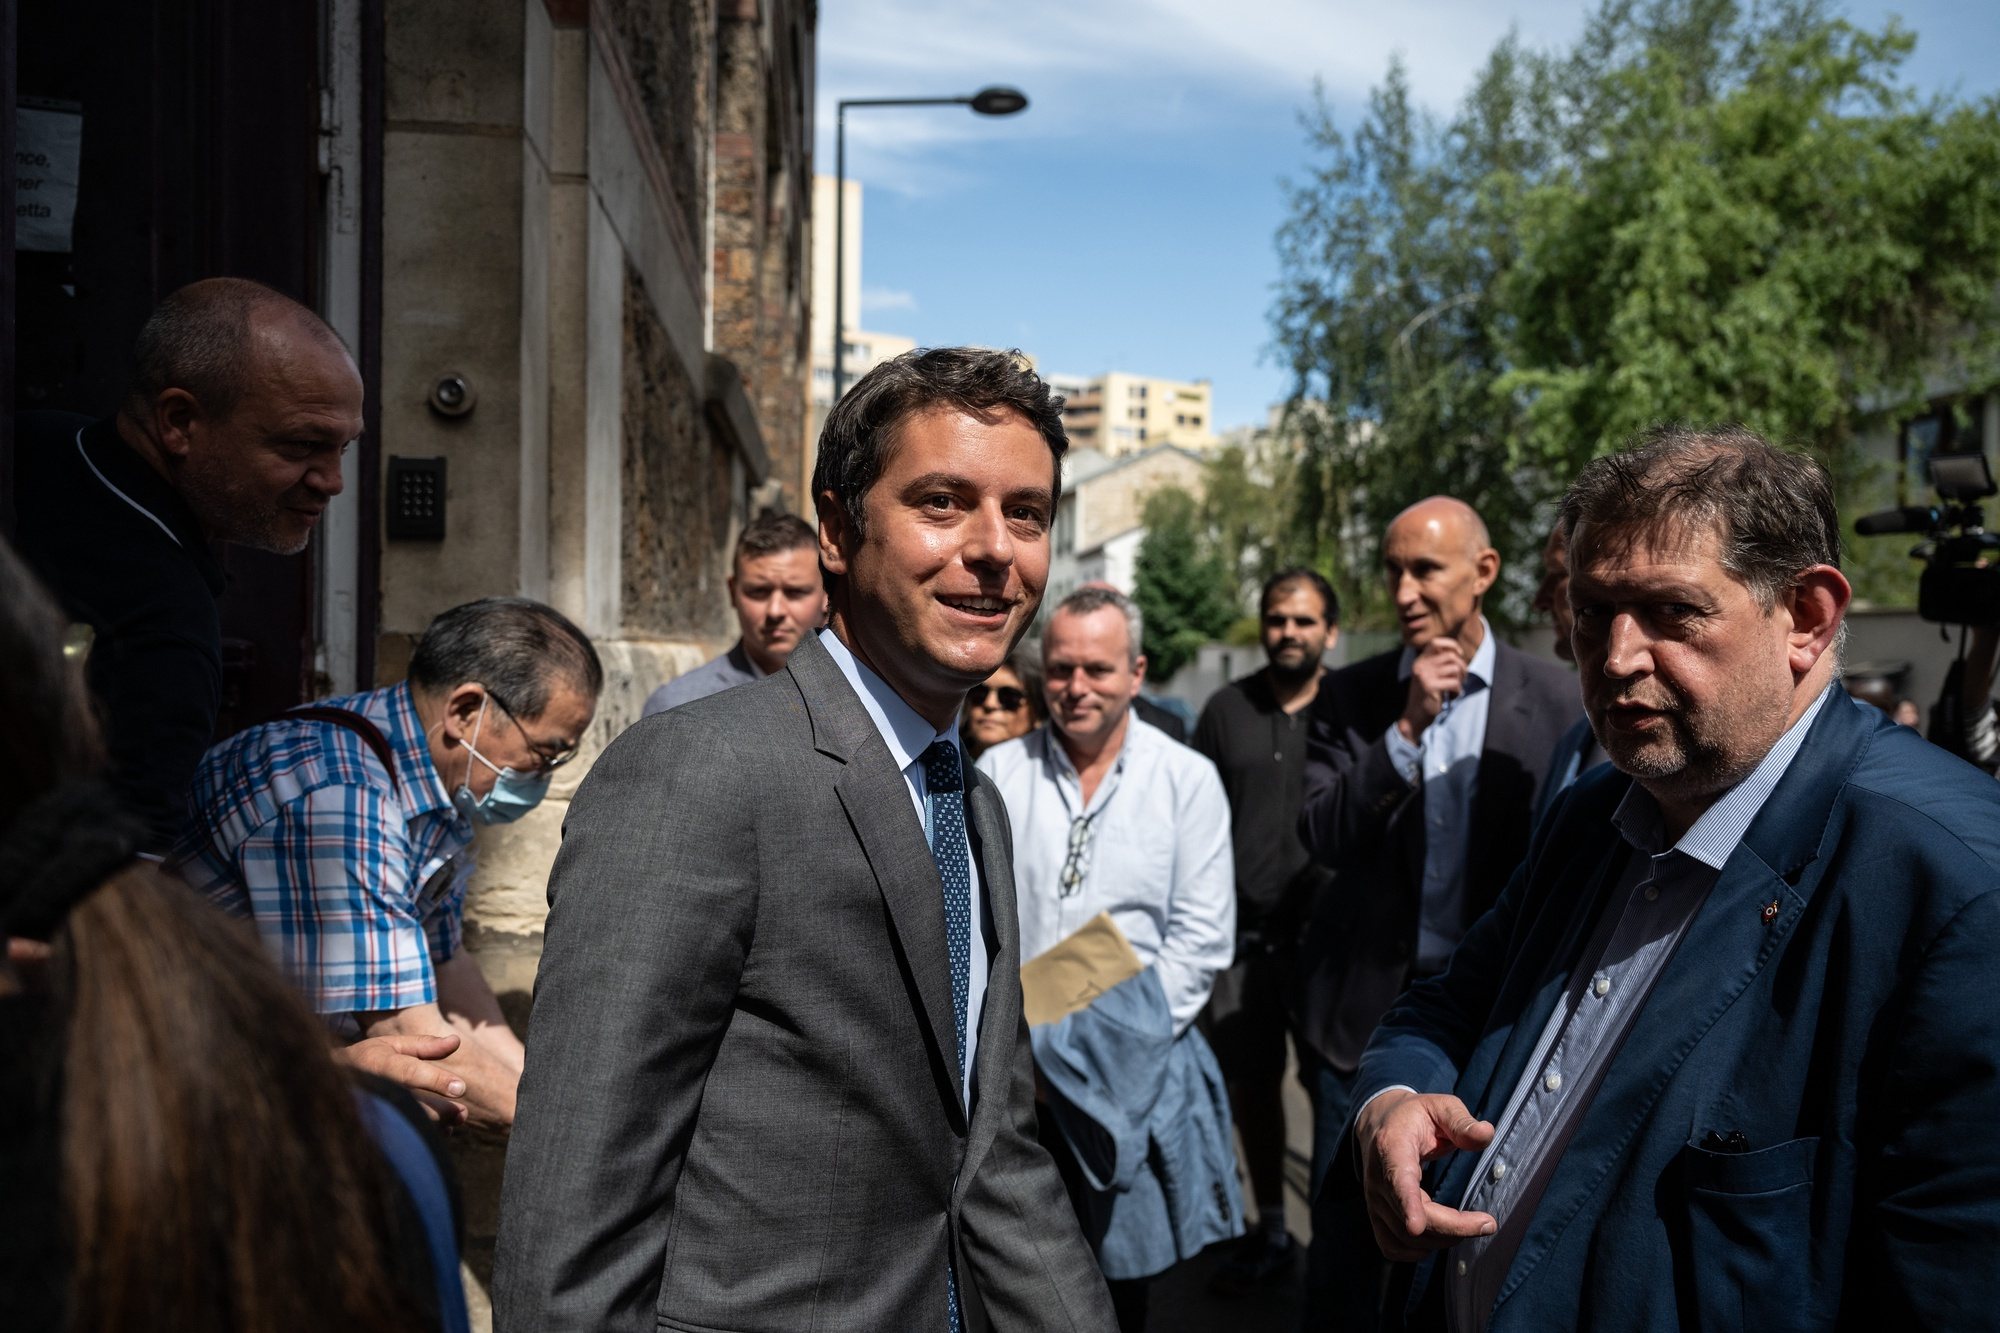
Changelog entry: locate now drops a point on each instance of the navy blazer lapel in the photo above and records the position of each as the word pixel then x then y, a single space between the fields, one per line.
pixel 1568 921
pixel 876 798
pixel 1726 946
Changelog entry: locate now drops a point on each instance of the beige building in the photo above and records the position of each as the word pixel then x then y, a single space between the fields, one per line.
pixel 1100 523
pixel 1119 414
pixel 864 350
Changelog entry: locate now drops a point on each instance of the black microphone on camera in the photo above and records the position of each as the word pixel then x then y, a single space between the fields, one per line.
pixel 1910 518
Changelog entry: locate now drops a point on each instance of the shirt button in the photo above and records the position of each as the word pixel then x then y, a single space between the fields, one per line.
pixel 1461 1268
pixel 1600 985
pixel 1553 1082
pixel 1652 893
pixel 1499 1171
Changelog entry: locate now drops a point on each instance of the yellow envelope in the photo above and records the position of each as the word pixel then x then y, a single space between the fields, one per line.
pixel 1076 971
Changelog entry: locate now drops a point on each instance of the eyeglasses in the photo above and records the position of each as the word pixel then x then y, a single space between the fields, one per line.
pixel 1009 699
pixel 1077 864
pixel 548 756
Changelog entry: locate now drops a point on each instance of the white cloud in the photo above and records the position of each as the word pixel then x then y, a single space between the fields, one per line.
pixel 1116 70
pixel 876 299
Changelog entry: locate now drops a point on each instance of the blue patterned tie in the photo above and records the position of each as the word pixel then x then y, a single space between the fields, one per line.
pixel 944 781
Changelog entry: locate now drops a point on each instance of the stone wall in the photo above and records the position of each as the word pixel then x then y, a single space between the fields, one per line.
pixel 762 189
pixel 553 170
pixel 680 490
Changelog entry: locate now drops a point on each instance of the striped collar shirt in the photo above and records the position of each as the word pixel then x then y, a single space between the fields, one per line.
pixel 356 884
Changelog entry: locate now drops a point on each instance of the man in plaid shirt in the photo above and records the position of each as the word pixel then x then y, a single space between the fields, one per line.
pixel 345 830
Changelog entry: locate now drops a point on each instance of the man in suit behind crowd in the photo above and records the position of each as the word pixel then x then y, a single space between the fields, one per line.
pixel 1422 769
pixel 777 1074
pixel 1725 1055
pixel 775 589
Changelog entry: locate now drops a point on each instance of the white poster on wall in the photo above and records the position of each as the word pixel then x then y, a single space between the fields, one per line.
pixel 48 152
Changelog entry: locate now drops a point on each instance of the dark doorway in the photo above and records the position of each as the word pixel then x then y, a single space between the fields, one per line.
pixel 199 158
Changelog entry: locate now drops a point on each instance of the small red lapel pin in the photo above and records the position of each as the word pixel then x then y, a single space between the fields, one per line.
pixel 1770 911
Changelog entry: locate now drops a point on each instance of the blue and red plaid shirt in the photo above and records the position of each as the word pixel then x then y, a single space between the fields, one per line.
pixel 357 888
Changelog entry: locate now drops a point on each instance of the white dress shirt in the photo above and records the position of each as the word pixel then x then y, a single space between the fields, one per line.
pixel 907 735
pixel 1156 854
pixel 1446 761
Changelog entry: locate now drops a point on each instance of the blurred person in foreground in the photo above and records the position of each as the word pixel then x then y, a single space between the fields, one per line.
pixel 778 1076
pixel 344 830
pixel 1254 731
pixel 177 1151
pixel 1577 750
pixel 775 587
pixel 1422 768
pixel 241 404
pixel 1726 1052
pixel 1008 705
pixel 1110 816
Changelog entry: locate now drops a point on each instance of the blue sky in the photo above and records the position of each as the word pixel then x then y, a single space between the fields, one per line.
pixel 1125 220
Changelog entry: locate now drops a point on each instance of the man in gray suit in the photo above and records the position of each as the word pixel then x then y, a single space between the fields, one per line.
pixel 777 1074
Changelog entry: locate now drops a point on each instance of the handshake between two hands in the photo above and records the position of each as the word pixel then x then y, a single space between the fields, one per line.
pixel 1395 1134
pixel 412 1060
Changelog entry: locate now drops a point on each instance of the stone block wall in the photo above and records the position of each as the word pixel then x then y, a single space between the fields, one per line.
pixel 681 484
pixel 554 171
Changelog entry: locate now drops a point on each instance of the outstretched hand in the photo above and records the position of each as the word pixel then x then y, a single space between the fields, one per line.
pixel 1396 1134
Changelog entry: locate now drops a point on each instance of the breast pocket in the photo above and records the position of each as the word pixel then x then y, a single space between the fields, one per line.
pixel 1133 866
pixel 1750 1235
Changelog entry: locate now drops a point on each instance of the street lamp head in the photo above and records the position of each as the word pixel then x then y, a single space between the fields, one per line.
pixel 998 101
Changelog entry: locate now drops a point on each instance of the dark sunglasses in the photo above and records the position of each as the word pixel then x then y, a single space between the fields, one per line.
pixel 1010 698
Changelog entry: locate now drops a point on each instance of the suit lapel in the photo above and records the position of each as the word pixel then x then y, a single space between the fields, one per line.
pixel 993 851
pixel 876 797
pixel 1727 945
pixel 1508 721
pixel 1000 1016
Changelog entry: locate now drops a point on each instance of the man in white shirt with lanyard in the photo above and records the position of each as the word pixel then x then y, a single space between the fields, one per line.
pixel 1110 815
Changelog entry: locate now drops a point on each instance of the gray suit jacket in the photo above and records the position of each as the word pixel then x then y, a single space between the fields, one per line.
pixel 739 1112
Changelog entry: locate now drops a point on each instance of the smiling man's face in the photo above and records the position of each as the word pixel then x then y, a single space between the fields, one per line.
pixel 951 569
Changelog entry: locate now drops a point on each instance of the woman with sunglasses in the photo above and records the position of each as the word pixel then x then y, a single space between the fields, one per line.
pixel 1009 704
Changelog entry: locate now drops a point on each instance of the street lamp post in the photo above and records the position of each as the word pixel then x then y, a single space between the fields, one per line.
pixel 994 101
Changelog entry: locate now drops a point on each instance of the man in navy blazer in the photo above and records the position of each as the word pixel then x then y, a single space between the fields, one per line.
pixel 1726 1052
pixel 1422 768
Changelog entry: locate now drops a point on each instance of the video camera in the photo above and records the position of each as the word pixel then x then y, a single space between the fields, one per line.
pixel 1960 584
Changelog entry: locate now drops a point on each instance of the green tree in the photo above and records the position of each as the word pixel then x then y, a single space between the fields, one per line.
pixel 1182 586
pixel 1701 211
